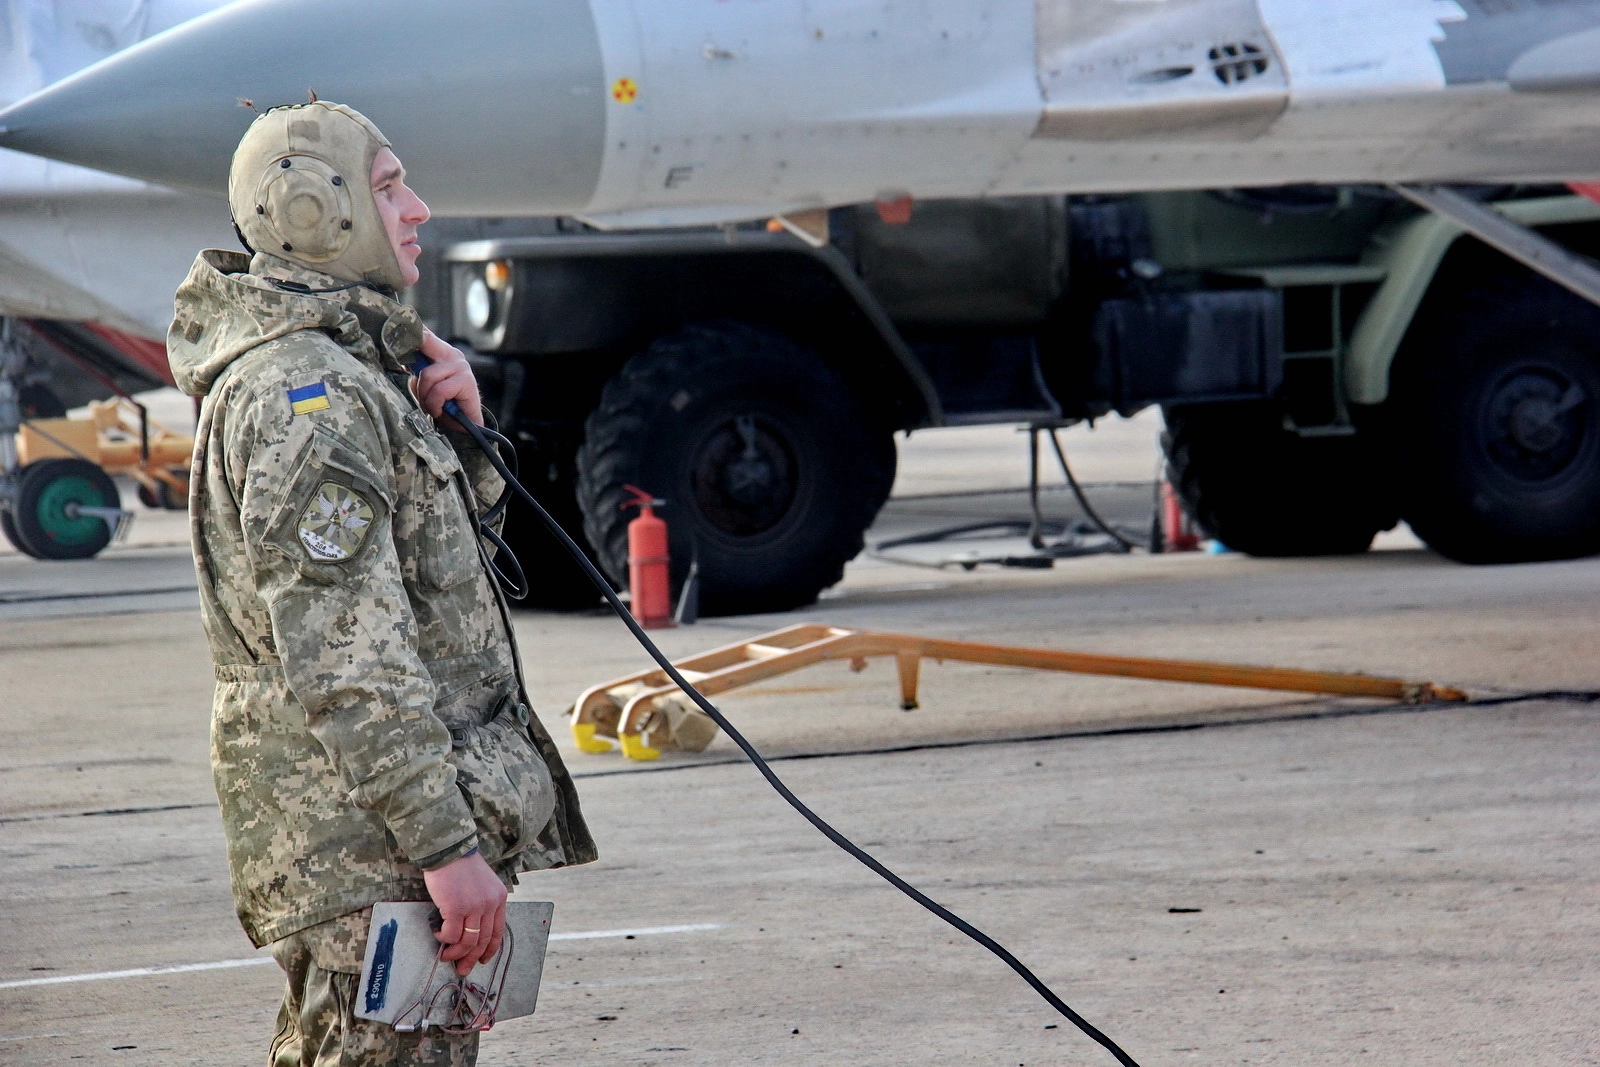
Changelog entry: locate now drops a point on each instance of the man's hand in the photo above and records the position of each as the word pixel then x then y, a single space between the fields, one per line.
pixel 472 900
pixel 449 378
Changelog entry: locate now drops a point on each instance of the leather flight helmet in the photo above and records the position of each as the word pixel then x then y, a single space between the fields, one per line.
pixel 300 188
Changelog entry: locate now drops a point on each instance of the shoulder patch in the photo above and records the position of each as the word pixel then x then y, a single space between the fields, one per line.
pixel 309 398
pixel 335 523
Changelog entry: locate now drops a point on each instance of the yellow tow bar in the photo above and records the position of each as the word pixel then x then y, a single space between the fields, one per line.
pixel 645 712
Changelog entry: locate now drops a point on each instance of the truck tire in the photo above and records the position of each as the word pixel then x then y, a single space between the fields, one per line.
pixel 45 492
pixel 1500 424
pixel 1262 489
pixel 769 467
pixel 555 581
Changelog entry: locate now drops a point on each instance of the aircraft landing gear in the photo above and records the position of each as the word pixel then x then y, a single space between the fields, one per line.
pixel 50 508
pixel 57 499
pixel 11 363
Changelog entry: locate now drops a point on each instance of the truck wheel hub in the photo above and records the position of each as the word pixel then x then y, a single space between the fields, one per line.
pixel 744 476
pixel 1537 421
pixel 1535 426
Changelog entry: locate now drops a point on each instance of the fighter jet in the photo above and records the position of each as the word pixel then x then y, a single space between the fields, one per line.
pixel 626 113
pixel 81 246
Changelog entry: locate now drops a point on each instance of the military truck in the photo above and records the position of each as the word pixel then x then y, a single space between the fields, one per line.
pixel 1329 360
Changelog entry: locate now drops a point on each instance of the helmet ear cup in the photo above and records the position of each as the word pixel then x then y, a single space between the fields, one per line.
pixel 305 206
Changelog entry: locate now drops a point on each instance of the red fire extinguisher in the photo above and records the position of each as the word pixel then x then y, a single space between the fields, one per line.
pixel 1177 529
pixel 649 581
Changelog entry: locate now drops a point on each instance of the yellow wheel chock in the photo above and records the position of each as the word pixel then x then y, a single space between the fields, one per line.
pixel 645 712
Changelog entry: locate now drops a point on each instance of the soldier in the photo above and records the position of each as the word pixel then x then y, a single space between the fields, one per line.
pixel 371 738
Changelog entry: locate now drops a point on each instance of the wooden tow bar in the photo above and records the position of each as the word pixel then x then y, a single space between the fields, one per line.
pixel 645 713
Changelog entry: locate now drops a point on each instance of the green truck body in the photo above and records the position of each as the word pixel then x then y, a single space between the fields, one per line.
pixel 1330 360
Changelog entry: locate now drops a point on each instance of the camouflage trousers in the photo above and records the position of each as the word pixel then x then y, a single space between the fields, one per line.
pixel 317 1026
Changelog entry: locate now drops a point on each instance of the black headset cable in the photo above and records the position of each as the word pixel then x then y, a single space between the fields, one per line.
pixel 487 440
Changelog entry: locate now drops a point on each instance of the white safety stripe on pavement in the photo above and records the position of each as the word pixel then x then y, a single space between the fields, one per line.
pixel 643 931
pixel 217 965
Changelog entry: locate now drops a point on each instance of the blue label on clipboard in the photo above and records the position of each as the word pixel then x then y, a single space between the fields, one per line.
pixel 382 964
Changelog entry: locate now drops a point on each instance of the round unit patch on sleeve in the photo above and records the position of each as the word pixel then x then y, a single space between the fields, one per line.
pixel 335 523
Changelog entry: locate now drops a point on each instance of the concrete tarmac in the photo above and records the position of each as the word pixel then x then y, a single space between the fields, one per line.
pixel 1209 875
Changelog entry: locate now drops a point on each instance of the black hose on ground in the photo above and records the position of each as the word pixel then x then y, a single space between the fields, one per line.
pixel 1083 501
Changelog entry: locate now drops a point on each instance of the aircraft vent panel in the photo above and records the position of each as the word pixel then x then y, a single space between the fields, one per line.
pixel 1112 70
pixel 1235 63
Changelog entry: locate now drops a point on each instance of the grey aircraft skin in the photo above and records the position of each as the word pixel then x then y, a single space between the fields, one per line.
pixel 633 112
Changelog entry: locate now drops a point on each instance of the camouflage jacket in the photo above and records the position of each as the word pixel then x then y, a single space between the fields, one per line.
pixel 369 719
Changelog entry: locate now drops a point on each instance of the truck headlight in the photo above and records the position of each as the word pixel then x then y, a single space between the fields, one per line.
pixel 479 304
pixel 497 274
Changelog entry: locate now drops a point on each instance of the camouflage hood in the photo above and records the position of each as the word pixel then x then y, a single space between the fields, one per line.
pixel 231 302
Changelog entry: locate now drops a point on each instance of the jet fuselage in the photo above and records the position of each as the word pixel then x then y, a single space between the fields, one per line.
pixel 633 112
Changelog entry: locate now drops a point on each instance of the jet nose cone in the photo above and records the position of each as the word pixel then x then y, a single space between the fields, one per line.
pixel 95 121
pixel 484 100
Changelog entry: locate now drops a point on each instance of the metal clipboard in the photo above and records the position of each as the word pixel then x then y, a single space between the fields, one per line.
pixel 403 983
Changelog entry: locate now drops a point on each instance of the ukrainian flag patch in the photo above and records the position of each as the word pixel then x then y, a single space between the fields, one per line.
pixel 309 398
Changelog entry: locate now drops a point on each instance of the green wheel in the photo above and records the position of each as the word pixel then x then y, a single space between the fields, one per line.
pixel 48 495
pixel 9 526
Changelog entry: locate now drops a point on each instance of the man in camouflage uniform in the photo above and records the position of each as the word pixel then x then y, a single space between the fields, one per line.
pixel 371 738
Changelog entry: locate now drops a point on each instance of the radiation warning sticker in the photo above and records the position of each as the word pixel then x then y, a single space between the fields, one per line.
pixel 624 90
pixel 335 523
